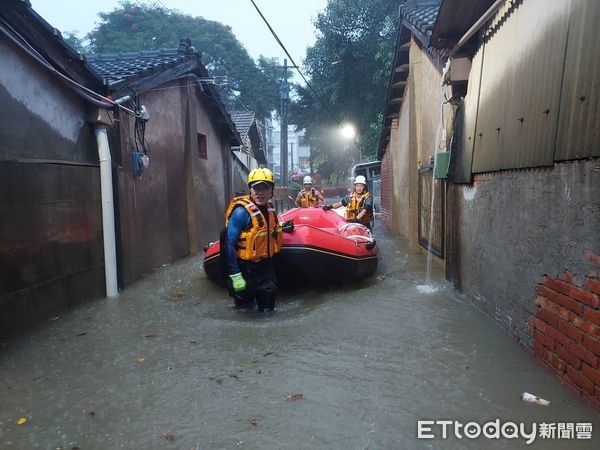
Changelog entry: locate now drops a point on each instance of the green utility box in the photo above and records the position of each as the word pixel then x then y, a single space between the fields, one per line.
pixel 442 160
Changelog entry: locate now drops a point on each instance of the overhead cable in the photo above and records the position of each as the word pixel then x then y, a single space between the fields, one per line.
pixel 295 65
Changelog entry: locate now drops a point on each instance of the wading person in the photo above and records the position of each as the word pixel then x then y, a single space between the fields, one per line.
pixel 309 197
pixel 253 237
pixel 359 204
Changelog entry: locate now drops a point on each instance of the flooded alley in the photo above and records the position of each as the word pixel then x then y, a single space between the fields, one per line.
pixel 170 364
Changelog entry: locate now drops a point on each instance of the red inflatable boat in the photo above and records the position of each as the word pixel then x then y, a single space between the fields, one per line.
pixel 322 249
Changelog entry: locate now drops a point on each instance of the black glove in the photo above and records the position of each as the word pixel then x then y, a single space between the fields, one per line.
pixel 353 221
pixel 287 226
pixel 327 207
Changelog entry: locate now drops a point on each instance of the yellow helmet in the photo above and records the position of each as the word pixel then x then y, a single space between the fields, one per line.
pixel 261 175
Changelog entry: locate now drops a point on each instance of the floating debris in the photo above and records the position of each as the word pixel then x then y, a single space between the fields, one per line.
pixel 169 436
pixel 294 397
pixel 177 295
pixel 253 422
pixel 530 398
pixel 21 421
pixel 267 354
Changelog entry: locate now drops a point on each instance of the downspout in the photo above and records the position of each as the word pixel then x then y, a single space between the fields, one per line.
pixel 108 212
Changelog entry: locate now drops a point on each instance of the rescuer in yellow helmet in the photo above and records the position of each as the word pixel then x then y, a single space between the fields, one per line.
pixel 253 238
pixel 359 204
pixel 309 196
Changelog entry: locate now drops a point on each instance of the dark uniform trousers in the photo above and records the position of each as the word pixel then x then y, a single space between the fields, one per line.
pixel 261 284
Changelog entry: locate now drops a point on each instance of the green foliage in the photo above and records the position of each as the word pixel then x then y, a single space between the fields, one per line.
pixel 133 27
pixel 349 67
pixel 71 38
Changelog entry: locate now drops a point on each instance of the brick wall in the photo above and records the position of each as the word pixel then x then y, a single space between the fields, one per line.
pixel 566 330
pixel 386 191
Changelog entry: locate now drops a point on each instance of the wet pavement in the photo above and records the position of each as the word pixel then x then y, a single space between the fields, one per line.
pixel 170 364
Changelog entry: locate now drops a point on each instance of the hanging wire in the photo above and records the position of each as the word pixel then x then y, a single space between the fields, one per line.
pixel 295 65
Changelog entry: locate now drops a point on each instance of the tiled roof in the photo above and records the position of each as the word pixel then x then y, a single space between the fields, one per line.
pixel 117 67
pixel 242 120
pixel 421 17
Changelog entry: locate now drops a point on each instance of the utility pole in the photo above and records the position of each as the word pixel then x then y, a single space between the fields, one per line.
pixel 284 94
pixel 292 156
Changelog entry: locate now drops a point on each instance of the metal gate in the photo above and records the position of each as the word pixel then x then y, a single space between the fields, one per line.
pixel 435 239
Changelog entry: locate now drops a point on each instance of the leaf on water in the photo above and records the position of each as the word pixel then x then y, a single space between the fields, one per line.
pixel 253 422
pixel 193 342
pixel 259 371
pixel 55 318
pixel 21 421
pixel 92 413
pixel 75 448
pixel 233 375
pixel 81 334
pixel 150 335
pixel 177 295
pixel 294 397
pixel 141 359
pixel 267 354
pixel 169 436
pixel 255 361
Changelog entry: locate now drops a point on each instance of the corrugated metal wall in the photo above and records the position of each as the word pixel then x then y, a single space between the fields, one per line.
pixel 540 57
pixel 579 122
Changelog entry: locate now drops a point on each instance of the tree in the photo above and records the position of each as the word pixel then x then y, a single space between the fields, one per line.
pixel 133 27
pixel 349 66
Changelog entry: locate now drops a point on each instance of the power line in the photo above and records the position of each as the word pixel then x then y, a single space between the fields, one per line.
pixel 296 65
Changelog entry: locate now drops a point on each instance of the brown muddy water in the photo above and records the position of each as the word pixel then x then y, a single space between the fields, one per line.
pixel 170 365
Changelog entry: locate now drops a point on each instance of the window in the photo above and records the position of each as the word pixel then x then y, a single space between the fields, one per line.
pixel 202 151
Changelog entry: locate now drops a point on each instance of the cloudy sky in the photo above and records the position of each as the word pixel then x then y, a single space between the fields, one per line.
pixel 291 19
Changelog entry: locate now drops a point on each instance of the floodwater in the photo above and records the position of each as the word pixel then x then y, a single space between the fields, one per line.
pixel 170 365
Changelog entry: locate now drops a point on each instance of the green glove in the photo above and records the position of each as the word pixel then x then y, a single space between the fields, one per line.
pixel 239 284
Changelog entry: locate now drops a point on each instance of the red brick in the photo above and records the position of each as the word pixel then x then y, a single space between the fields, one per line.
pixel 546 292
pixel 592 315
pixel 557 336
pixel 554 308
pixel 570 331
pixel 568 303
pixel 580 380
pixel 592 257
pixel 591 344
pixel 569 357
pixel 557 285
pixel 539 324
pixel 547 317
pixel 593 284
pixel 589 328
pixel 586 297
pixel 583 354
pixel 539 350
pixel 558 364
pixel 591 373
pixel 567 277
pixel 543 339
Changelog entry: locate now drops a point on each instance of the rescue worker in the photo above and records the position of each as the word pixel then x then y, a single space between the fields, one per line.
pixel 309 196
pixel 253 237
pixel 359 203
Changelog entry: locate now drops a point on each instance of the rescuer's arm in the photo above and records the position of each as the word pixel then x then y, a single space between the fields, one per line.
pixel 297 201
pixel 238 220
pixel 320 197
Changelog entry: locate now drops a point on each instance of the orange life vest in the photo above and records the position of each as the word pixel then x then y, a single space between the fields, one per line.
pixel 308 199
pixel 260 239
pixel 356 204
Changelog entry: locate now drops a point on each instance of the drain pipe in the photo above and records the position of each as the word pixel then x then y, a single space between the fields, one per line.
pixel 108 211
pixel 476 26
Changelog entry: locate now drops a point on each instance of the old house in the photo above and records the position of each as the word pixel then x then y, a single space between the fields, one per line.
pixel 51 244
pixel 187 138
pixel 60 141
pixel 252 153
pixel 490 162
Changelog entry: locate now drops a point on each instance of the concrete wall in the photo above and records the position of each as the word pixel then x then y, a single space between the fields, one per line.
pixel 51 254
pixel 176 206
pixel 519 226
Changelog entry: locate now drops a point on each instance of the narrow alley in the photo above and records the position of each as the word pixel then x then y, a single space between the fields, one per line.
pixel 170 364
